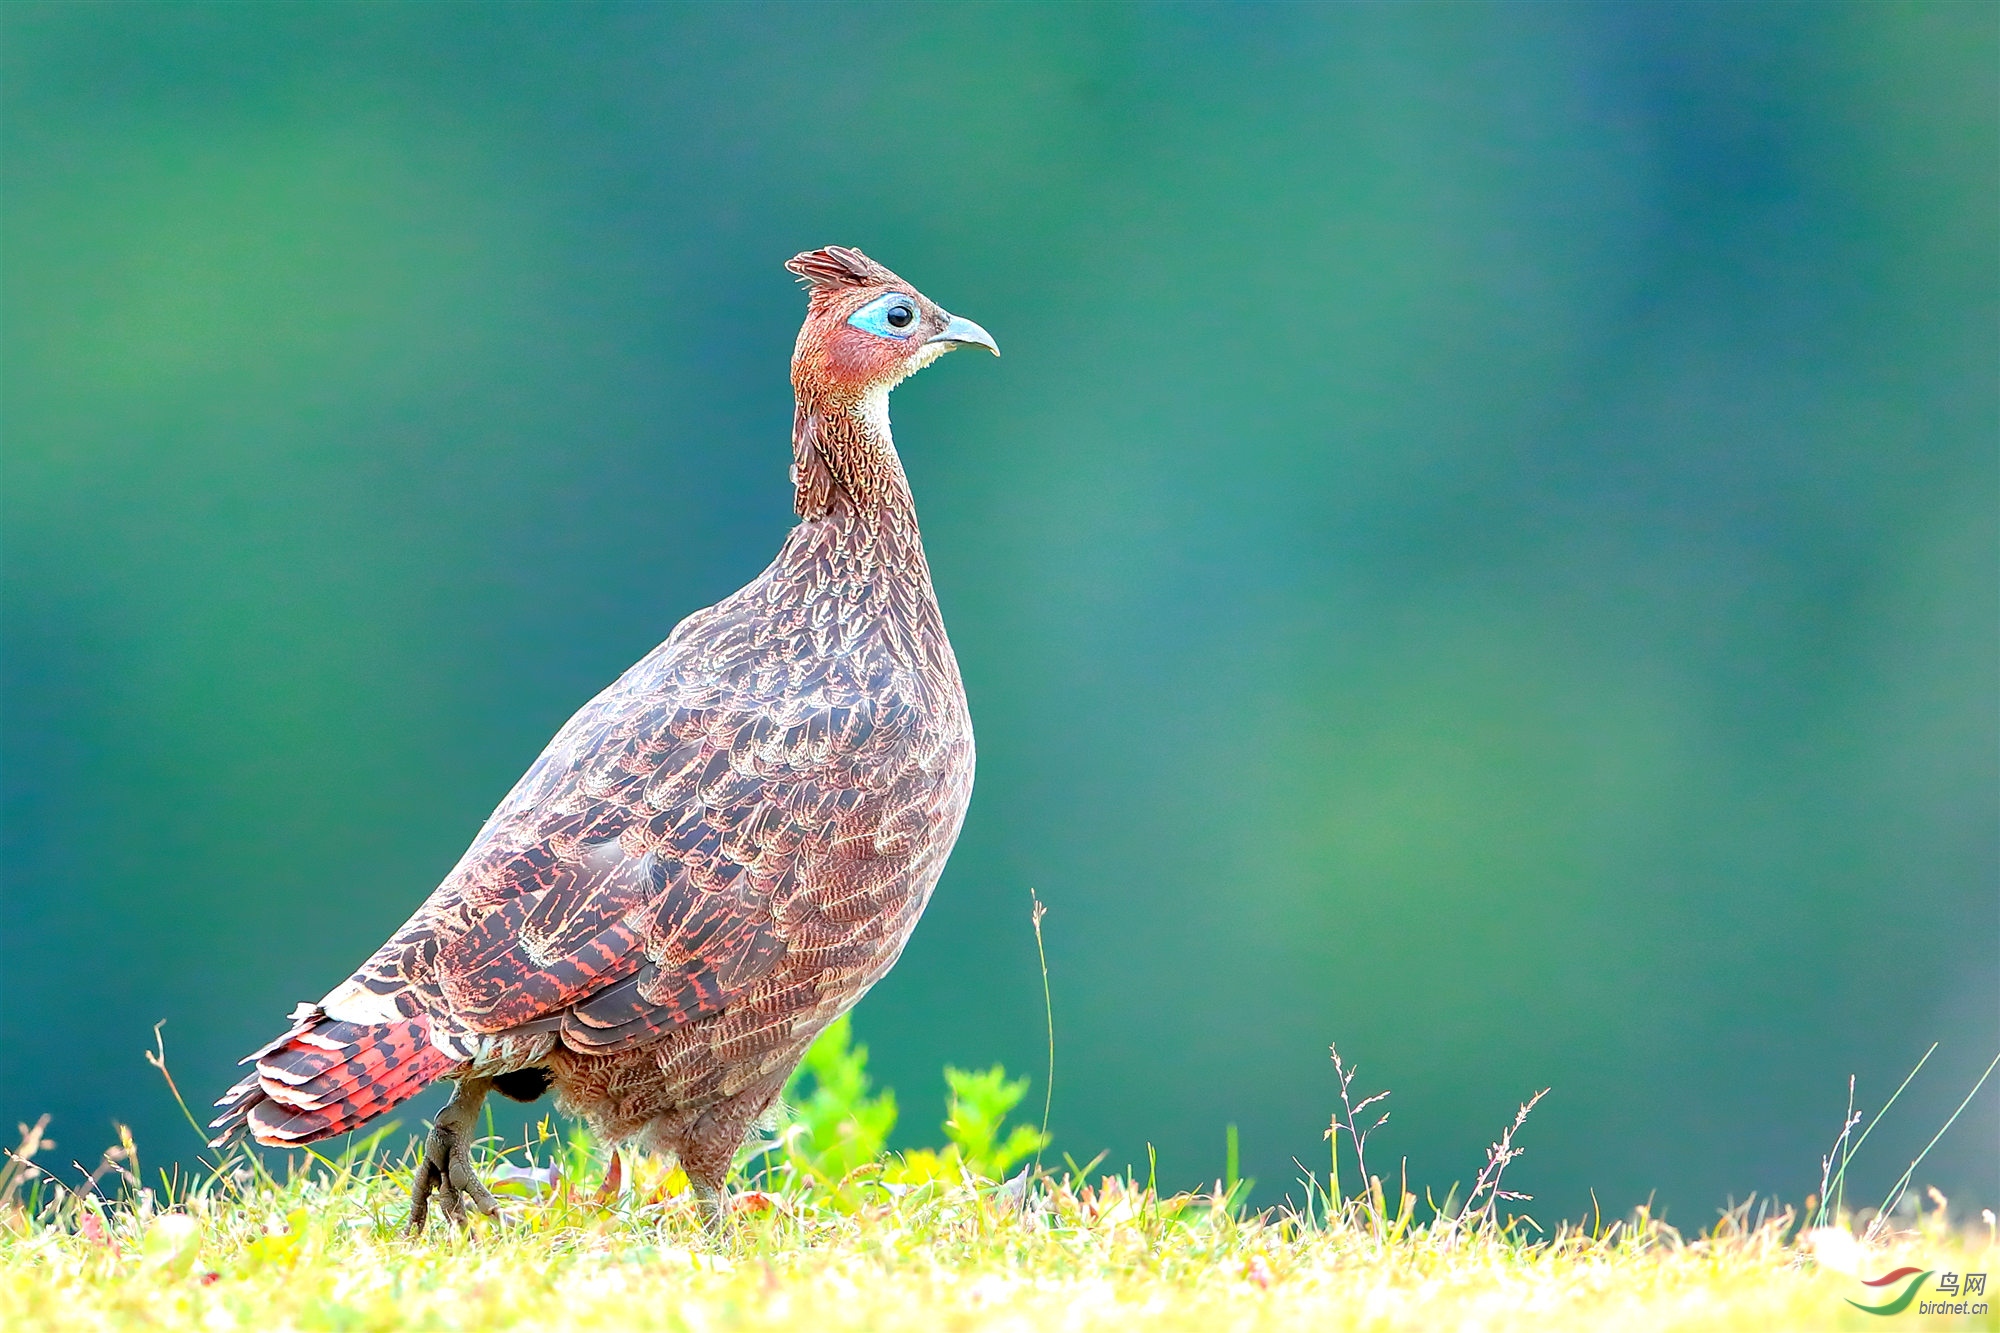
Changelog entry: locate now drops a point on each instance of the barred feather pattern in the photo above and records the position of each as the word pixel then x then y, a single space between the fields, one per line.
pixel 712 859
pixel 326 1077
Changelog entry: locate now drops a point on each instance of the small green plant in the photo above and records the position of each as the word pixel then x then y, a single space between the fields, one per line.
pixel 838 1125
pixel 977 1125
pixel 977 1137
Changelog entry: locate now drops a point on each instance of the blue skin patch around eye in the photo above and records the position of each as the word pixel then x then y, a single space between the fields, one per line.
pixel 874 317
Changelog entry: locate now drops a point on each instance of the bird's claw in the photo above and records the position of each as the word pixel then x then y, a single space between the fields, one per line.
pixel 446 1171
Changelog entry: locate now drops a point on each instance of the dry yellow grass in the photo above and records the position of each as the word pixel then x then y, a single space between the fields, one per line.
pixel 844 1235
pixel 322 1252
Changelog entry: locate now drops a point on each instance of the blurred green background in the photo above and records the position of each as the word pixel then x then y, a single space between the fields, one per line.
pixel 1482 546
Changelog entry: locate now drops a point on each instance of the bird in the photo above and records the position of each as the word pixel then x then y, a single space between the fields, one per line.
pixel 714 858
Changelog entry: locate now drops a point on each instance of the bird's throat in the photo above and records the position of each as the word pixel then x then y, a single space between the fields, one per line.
pixel 844 457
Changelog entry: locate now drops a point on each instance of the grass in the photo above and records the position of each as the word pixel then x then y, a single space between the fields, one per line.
pixel 320 1250
pixel 829 1231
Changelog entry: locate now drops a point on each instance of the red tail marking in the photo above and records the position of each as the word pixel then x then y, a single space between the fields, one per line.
pixel 326 1077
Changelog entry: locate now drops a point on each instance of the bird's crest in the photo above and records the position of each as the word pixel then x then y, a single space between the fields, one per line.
pixel 838 266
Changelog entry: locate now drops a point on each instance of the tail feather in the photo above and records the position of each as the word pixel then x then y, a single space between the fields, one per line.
pixel 326 1076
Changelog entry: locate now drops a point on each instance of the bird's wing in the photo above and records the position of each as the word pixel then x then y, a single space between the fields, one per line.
pixel 697 829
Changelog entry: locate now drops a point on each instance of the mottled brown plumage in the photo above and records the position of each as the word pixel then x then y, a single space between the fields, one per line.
pixel 717 855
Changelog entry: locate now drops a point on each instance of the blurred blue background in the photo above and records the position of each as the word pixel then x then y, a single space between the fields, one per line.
pixel 1482 546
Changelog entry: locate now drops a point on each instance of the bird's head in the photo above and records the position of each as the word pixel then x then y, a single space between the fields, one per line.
pixel 866 330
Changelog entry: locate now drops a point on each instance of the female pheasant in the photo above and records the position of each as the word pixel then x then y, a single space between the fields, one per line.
pixel 716 856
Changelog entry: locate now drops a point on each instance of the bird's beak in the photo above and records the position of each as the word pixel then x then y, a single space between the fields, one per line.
pixel 964 333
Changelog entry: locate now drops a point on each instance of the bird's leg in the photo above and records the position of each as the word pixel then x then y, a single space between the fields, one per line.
pixel 705 1155
pixel 708 1149
pixel 714 1206
pixel 446 1169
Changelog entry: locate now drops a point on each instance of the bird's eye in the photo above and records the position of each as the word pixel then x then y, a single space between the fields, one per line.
pixel 891 316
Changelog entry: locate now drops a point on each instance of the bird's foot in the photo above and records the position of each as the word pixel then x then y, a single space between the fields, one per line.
pixel 446 1170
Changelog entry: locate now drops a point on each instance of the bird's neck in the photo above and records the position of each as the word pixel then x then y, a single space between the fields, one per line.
pixel 845 467
pixel 850 488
